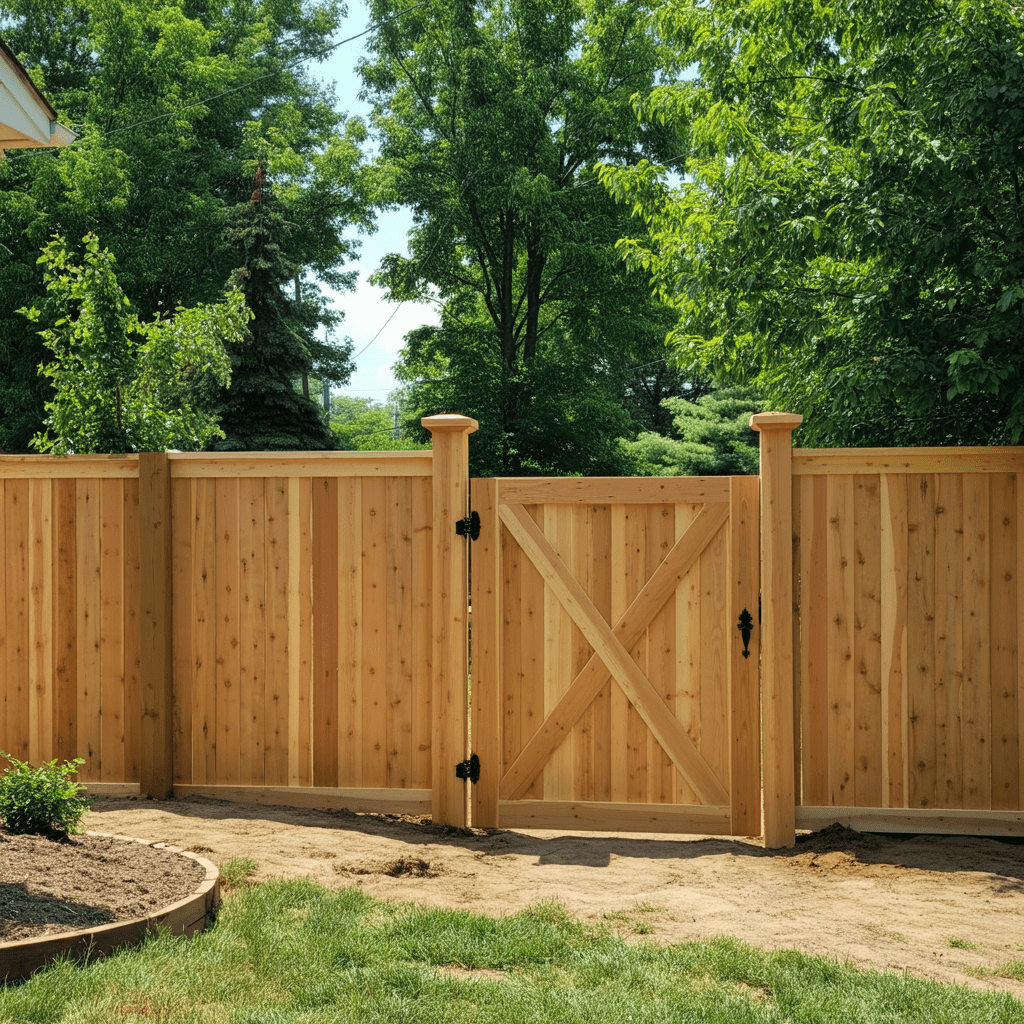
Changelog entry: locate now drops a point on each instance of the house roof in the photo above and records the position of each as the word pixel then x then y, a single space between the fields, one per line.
pixel 26 117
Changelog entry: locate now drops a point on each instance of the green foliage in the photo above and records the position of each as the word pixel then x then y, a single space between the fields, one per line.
pixel 173 100
pixel 43 800
pixel 121 385
pixel 711 437
pixel 354 420
pixel 490 114
pixel 265 410
pixel 849 230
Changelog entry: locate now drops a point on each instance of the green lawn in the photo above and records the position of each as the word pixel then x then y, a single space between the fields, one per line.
pixel 293 951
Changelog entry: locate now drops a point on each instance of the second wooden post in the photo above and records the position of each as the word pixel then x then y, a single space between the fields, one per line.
pixel 449 689
pixel 776 429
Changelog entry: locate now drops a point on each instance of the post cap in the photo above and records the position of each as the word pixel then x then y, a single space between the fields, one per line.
pixel 449 422
pixel 775 420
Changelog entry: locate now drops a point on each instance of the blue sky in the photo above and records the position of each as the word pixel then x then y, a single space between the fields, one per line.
pixel 365 309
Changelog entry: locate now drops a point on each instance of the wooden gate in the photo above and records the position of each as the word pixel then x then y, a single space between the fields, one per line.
pixel 611 685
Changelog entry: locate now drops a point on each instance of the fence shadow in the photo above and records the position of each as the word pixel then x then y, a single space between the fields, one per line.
pixel 942 854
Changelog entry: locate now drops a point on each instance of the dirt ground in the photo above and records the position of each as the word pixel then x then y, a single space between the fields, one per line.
pixel 949 909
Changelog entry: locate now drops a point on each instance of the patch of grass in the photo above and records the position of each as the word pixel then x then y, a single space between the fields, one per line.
pixel 1014 969
pixel 294 952
pixel 963 944
pixel 236 872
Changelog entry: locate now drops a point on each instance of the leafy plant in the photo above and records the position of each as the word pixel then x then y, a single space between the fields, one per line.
pixel 43 800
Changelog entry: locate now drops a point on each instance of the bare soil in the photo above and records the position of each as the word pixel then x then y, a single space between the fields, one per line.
pixel 949 909
pixel 61 885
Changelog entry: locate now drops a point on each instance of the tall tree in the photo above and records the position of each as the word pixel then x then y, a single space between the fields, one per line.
pixel 850 230
pixel 490 115
pixel 169 98
pixel 263 410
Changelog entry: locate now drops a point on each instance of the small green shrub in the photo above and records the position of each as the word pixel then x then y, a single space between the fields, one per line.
pixel 43 800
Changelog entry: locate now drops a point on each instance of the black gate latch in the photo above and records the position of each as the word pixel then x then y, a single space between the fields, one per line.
pixel 468 527
pixel 469 769
pixel 746 625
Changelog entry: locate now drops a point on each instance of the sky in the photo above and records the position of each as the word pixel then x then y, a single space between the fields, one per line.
pixel 365 309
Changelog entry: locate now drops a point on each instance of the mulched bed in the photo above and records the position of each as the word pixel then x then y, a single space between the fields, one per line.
pixel 54 885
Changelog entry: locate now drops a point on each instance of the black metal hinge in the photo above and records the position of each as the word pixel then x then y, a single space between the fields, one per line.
pixel 468 527
pixel 469 769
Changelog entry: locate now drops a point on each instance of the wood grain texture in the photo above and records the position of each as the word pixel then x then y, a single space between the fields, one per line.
pixel 252 621
pixel 915 821
pixel 744 688
pixel 977 702
pixel 350 632
pixel 842 461
pixel 485 654
pixel 87 543
pixel 921 640
pixel 841 665
pixel 228 633
pixel 275 692
pixel 634 683
pixel 374 633
pixel 238 465
pixel 65 593
pixel 948 692
pixel 1004 538
pixel 893 501
pixel 867 647
pixel 182 640
pixel 613 490
pixel 598 816
pixel 112 719
pixel 325 630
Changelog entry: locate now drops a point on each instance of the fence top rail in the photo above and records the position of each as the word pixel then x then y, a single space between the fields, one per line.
pixel 828 461
pixel 57 467
pixel 288 464
pixel 612 490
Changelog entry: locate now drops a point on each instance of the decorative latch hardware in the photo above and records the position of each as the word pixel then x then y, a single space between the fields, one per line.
pixel 746 624
pixel 469 769
pixel 468 527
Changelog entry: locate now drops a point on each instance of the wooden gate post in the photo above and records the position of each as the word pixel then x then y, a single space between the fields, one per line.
pixel 449 616
pixel 155 660
pixel 776 429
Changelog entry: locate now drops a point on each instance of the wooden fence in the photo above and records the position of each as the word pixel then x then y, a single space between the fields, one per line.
pixel 250 625
pixel 907 571
pixel 264 626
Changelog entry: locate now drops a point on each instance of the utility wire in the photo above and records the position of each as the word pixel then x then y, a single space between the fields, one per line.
pixel 245 85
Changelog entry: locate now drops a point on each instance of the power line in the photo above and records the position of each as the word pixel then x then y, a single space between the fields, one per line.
pixel 245 85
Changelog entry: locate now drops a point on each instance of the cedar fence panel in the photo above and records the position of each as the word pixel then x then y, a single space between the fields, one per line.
pixel 301 648
pixel 69 625
pixel 908 617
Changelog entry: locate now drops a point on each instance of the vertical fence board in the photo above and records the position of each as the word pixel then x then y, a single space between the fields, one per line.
pixel 374 683
pixel 687 643
pixel 921 639
pixel 949 635
pixel 87 519
pixel 867 651
pixel 1004 538
pixel 815 639
pixel 325 626
pixel 744 717
pixel 5 591
pixel 399 633
pixel 661 655
pixel 184 616
pixel 893 498
pixel 485 652
pixel 423 602
pixel 65 596
pixel 276 682
pixel 633 578
pixel 601 573
pixel 840 603
pixel 204 598
pixel 558 629
pixel 41 621
pixel 228 634
pixel 350 632
pixel 17 603
pixel 251 630
pixel 111 630
pixel 531 692
pixel 582 772
pixel 714 656
pixel 132 634
pixel 977 704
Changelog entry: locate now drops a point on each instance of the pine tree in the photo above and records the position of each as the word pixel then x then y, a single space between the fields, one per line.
pixel 264 410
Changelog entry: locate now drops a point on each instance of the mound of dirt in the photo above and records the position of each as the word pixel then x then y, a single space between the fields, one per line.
pixel 52 885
